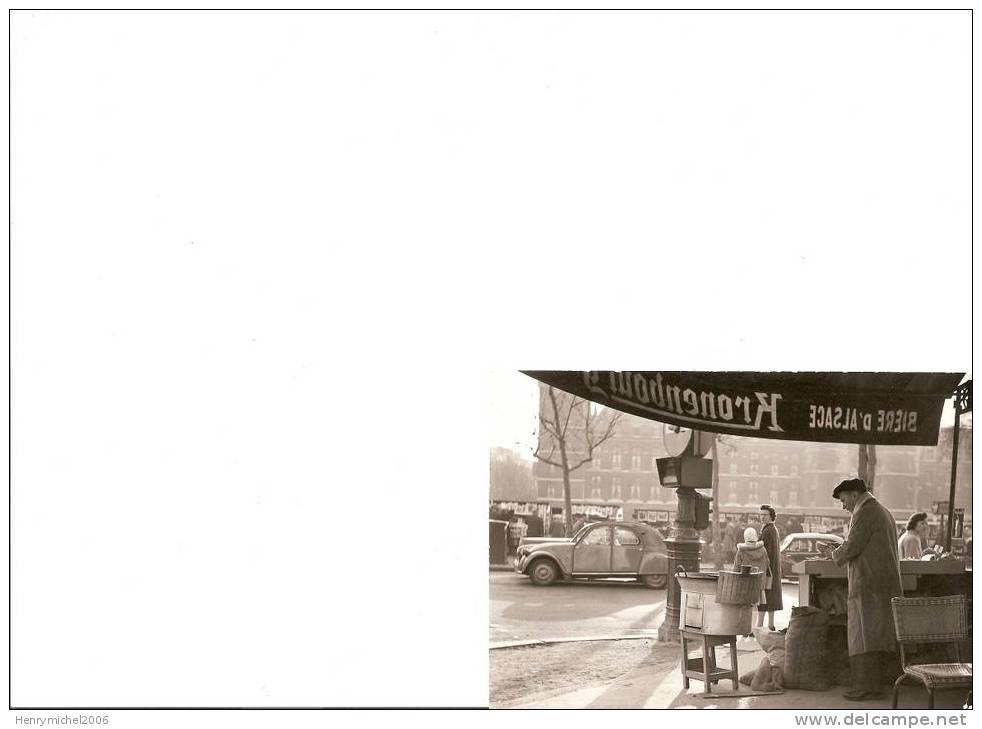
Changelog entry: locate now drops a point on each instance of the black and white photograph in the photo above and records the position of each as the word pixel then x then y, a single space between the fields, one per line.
pixel 753 540
pixel 678 300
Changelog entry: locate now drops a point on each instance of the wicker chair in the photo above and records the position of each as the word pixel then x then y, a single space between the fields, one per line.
pixel 932 620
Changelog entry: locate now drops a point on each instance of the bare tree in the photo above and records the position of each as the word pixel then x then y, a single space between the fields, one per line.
pixel 571 430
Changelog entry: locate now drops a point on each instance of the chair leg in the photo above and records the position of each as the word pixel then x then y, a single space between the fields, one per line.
pixel 733 664
pixel 930 698
pixel 896 689
pixel 706 661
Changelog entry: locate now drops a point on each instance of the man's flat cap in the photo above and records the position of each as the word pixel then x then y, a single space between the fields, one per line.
pixel 850 484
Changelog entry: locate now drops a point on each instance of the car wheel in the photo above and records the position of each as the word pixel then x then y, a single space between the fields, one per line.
pixel 543 572
pixel 655 582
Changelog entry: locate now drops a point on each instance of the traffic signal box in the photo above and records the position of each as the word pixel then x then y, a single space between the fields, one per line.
pixel 685 471
pixel 702 512
pixel 689 472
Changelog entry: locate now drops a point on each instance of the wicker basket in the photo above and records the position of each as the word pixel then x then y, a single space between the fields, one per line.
pixel 735 588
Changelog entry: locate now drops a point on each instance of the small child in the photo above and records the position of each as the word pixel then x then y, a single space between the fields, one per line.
pixel 751 552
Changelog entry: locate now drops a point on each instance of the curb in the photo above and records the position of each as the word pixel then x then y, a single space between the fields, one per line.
pixel 580 639
pixel 585 639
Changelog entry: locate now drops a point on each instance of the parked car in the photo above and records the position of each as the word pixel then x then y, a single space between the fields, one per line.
pixel 800 546
pixel 598 550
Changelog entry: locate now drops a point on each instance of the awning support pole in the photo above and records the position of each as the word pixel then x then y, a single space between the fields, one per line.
pixel 963 404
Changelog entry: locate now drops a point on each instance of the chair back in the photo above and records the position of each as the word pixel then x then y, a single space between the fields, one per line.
pixel 931 619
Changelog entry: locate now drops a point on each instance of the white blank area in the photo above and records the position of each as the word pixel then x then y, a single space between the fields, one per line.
pixel 263 262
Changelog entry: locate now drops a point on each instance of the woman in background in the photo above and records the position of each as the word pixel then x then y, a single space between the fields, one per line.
pixel 772 543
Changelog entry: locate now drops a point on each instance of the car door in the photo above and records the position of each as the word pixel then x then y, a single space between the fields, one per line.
pixel 591 555
pixel 625 556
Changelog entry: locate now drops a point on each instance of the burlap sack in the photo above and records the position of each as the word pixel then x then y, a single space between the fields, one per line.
pixel 806 662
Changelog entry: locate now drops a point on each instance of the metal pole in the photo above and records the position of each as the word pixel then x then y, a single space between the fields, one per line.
pixel 954 473
pixel 717 552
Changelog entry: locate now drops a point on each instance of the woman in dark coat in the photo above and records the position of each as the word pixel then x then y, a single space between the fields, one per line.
pixel 772 543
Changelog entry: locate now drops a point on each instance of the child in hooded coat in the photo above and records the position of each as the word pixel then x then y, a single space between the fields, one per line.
pixel 751 552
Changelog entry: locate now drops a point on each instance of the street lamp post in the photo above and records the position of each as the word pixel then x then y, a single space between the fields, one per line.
pixel 683 549
pixel 685 470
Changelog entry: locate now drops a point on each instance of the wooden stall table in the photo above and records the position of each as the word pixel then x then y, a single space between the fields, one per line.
pixel 917 578
pixel 824 584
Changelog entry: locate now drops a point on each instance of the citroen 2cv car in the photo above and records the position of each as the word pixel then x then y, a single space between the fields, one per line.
pixel 601 549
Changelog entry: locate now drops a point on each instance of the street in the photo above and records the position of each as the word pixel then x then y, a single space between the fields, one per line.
pixel 521 611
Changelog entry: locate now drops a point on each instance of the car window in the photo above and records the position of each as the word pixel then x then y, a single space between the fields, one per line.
pixel 829 542
pixel 601 536
pixel 801 545
pixel 625 537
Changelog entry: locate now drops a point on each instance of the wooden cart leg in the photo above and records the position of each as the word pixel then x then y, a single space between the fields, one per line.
pixel 733 663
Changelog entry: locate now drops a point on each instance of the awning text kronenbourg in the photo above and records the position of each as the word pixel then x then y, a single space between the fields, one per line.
pixel 889 409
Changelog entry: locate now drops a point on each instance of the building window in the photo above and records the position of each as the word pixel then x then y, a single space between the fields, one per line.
pixel 754 468
pixel 598 462
pixel 595 492
pixel 616 462
pixel 752 493
pixel 754 455
pixel 733 468
pixel 774 470
pixel 794 469
pixel 635 492
pixel 615 492
pixel 635 462
pixel 793 497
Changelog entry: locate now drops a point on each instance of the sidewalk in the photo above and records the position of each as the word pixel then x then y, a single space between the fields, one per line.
pixel 657 684
pixel 649 687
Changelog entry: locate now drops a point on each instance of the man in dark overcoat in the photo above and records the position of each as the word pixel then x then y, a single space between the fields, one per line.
pixel 873 569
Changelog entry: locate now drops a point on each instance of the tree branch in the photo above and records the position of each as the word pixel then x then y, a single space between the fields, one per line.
pixel 569 414
pixel 607 434
pixel 585 460
pixel 549 426
pixel 546 460
pixel 552 450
